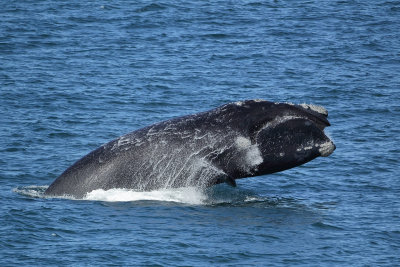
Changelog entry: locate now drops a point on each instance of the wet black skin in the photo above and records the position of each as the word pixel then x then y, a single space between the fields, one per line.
pixel 306 128
pixel 287 138
pixel 199 149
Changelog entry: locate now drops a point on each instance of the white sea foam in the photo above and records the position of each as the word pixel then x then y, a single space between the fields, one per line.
pixel 187 195
pixel 221 194
pixel 35 191
pixel 253 156
pixel 242 142
pixel 252 152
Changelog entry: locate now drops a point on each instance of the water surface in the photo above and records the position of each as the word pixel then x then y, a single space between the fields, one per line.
pixel 75 75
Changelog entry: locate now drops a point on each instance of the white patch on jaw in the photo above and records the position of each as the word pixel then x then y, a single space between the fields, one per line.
pixel 252 154
pixel 318 109
pixel 305 148
pixel 326 148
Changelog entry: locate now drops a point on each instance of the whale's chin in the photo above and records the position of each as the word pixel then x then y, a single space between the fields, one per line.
pixel 327 148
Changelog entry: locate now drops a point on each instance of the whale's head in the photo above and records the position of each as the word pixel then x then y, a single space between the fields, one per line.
pixel 286 135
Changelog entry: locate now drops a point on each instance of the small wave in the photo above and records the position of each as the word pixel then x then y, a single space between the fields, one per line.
pixel 151 7
pixel 326 226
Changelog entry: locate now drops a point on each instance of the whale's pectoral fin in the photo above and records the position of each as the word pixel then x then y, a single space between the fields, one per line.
pixel 230 181
pixel 226 179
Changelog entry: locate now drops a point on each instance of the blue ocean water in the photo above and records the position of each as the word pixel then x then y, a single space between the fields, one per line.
pixel 77 74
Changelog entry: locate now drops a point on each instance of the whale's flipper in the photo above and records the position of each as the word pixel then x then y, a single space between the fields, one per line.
pixel 230 181
pixel 226 179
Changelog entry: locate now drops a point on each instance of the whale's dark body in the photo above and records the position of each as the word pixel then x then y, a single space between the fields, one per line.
pixel 236 140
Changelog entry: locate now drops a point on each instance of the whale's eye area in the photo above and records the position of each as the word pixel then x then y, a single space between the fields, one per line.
pixel 257 127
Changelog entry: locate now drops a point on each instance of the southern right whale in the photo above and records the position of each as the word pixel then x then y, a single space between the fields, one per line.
pixel 233 141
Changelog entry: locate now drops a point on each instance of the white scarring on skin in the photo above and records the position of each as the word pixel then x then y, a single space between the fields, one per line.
pixel 278 120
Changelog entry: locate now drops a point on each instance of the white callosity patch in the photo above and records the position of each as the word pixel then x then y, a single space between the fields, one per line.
pixel 318 109
pixel 288 103
pixel 241 103
pixel 326 149
pixel 252 154
pixel 305 148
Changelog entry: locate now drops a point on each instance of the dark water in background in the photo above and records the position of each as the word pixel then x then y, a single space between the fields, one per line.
pixel 75 75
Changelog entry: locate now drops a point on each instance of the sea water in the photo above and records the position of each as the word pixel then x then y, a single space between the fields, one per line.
pixel 77 74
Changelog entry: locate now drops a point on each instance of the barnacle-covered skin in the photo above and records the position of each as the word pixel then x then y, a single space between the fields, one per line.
pixel 236 140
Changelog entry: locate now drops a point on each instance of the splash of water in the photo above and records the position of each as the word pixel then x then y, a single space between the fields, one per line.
pixel 34 191
pixel 217 195
pixel 187 195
